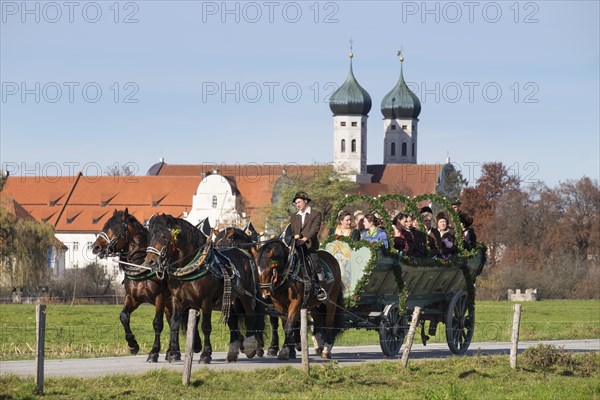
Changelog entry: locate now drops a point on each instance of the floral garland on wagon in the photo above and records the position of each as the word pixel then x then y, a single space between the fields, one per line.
pixel 376 205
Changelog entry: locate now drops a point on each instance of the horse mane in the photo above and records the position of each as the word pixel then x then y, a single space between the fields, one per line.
pixel 136 224
pixel 279 250
pixel 166 221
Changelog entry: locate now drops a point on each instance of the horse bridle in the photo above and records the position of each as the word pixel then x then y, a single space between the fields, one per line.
pixel 110 247
pixel 273 285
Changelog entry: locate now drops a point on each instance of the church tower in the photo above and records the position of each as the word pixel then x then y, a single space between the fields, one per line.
pixel 350 105
pixel 400 109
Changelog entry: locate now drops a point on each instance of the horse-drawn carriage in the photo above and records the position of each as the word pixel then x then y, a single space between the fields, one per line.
pixel 383 287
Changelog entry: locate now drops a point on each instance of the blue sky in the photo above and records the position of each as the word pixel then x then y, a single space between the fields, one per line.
pixel 86 85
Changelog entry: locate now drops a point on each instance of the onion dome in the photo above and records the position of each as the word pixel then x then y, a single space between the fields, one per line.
pixel 350 98
pixel 400 102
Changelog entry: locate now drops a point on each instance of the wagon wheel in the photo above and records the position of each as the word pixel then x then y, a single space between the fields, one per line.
pixel 391 331
pixel 460 323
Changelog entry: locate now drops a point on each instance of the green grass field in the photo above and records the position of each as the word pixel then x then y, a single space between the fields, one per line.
pixel 477 377
pixel 95 330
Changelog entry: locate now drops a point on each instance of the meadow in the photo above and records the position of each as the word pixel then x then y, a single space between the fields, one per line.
pixel 95 330
pixel 477 377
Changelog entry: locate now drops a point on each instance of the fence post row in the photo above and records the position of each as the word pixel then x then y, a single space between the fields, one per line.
pixel 411 335
pixel 40 340
pixel 514 347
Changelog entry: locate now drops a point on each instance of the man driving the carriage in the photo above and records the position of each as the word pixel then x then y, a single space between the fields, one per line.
pixel 306 225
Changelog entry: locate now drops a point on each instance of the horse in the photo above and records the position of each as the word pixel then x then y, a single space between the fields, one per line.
pixel 247 239
pixel 281 279
pixel 124 236
pixel 200 277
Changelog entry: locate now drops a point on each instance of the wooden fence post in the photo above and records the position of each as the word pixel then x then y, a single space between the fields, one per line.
pixel 515 336
pixel 40 339
pixel 189 347
pixel 411 335
pixel 304 340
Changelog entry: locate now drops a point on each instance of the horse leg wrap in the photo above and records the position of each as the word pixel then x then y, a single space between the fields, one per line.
pixel 250 346
pixel 234 349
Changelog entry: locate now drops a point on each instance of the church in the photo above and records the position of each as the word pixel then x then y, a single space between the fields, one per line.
pixel 233 194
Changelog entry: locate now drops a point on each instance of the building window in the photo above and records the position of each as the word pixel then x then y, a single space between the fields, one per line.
pixel 393 127
pixel 343 123
pixel 354 145
pixel 214 202
pixel 354 124
pixel 404 127
pixel 75 246
pixel 393 149
pixel 413 149
pixel 343 147
pixel 403 149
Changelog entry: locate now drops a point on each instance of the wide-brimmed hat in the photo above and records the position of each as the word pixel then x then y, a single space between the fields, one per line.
pixel 301 195
pixel 456 202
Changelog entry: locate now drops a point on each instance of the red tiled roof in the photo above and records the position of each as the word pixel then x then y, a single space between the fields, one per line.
pixel 93 199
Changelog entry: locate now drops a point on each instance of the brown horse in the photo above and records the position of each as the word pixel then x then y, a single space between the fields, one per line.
pixel 202 277
pixel 123 236
pixel 283 280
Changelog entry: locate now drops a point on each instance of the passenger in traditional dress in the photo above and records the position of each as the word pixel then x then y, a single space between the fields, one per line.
pixel 403 239
pixel 468 233
pixel 345 227
pixel 373 233
pixel 449 247
pixel 434 239
pixel 358 221
pixel 418 249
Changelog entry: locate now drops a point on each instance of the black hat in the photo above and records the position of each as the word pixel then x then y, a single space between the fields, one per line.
pixel 426 209
pixel 301 195
pixel 456 202
pixel 442 215
pixel 466 219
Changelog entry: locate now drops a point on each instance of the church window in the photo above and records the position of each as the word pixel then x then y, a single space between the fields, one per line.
pixel 404 127
pixel 403 149
pixel 413 149
pixel 393 149
pixel 214 202
pixel 354 124
pixel 343 149
pixel 393 127
pixel 343 123
pixel 353 145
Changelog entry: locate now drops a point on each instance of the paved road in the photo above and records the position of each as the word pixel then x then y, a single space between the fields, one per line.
pixel 91 367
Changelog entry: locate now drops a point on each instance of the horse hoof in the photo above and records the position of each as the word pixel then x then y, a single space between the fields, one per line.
pixel 260 353
pixel 284 354
pixel 205 360
pixel 152 358
pixel 174 357
pixel 273 351
pixel 134 349
pixel 249 347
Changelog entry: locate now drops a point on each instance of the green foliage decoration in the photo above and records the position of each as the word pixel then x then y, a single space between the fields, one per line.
pixel 411 207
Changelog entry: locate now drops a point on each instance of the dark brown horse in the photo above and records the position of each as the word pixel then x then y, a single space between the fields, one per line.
pixel 123 236
pixel 202 277
pixel 247 239
pixel 283 280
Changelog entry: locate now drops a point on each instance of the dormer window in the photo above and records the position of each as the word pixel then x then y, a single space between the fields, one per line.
pixel 404 127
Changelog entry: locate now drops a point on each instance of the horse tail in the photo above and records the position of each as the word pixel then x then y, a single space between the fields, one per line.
pixel 340 315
